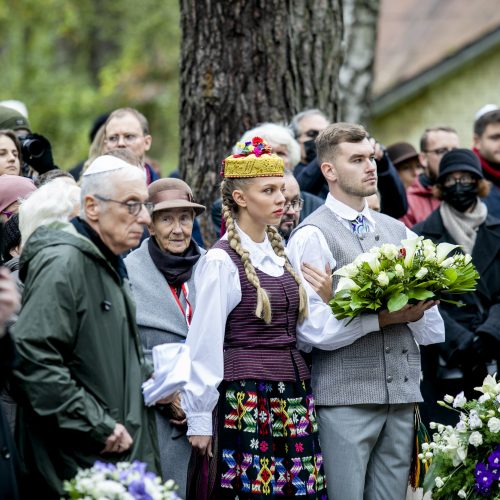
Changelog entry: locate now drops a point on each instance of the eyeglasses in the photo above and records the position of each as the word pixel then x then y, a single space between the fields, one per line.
pixel 465 180
pixel 127 139
pixel 439 151
pixel 311 133
pixel 295 204
pixel 133 207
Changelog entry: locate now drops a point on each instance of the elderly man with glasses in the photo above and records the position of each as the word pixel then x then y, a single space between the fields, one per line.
pixel 81 363
pixel 297 205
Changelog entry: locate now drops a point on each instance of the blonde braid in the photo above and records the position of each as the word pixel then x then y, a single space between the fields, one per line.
pixel 263 309
pixel 279 249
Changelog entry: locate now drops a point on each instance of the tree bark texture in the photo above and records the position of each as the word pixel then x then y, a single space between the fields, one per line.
pixel 356 73
pixel 244 62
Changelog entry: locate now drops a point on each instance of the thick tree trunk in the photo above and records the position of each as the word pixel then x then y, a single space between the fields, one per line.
pixel 244 62
pixel 356 74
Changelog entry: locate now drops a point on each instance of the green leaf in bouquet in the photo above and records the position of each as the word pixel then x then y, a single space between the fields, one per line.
pixel 418 294
pixel 365 287
pixel 397 301
pixel 425 284
pixel 357 302
pixel 450 274
pixel 458 303
pixel 375 306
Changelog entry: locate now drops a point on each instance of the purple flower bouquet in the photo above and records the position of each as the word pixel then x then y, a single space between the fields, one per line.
pixel 465 459
pixel 123 481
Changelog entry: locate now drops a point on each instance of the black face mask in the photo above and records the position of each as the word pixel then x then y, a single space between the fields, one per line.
pixel 460 196
pixel 310 150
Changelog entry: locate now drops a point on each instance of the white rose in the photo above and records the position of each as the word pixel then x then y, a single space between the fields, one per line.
pixel 375 251
pixel 448 399
pixel 447 262
pixel 462 494
pixel 484 397
pixel 459 401
pixel 383 279
pixel 439 482
pixel 462 453
pixel 494 424
pixel 421 273
pixel 399 270
pixel 474 420
pixel 109 488
pixel 475 439
pixel 389 251
pixel 440 428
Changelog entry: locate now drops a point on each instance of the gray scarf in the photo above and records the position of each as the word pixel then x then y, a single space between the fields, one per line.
pixel 463 226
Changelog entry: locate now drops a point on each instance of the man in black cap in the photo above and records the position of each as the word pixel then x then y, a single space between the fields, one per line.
pixel 472 344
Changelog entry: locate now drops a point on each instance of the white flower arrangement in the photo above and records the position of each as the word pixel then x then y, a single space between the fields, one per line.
pixel 465 459
pixel 388 277
pixel 123 481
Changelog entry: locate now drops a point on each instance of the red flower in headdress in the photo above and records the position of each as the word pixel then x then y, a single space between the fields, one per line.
pixel 257 140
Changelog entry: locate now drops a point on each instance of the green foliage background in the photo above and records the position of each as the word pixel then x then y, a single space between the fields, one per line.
pixel 70 61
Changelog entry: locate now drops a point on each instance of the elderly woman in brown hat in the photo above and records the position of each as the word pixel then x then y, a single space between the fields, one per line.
pixel 161 273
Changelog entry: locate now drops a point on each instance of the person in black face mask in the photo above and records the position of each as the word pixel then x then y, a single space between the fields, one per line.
pixel 472 345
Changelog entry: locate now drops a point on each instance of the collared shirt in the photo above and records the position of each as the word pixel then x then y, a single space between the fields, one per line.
pixel 321 329
pixel 218 292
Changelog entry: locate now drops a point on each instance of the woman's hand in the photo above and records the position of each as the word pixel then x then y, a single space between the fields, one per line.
pixel 178 417
pixel 169 399
pixel 321 282
pixel 201 445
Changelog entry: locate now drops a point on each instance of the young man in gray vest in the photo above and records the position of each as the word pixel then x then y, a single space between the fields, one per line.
pixel 365 374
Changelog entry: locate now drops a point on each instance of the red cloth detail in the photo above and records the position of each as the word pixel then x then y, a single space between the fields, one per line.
pixel 492 172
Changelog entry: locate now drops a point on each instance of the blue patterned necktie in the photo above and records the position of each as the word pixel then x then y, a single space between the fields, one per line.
pixel 359 225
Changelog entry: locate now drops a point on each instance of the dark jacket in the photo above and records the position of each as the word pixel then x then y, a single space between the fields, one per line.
pixel 8 457
pixel 81 362
pixel 481 313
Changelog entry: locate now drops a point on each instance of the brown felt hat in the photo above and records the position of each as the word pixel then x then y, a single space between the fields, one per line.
pixel 400 152
pixel 172 193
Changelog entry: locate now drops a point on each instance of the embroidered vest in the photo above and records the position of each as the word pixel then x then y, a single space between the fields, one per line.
pixel 252 349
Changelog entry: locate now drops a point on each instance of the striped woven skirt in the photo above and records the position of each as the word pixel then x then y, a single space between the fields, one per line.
pixel 265 444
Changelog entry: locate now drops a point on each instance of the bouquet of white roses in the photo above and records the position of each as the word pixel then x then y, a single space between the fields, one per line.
pixel 389 276
pixel 123 481
pixel 466 458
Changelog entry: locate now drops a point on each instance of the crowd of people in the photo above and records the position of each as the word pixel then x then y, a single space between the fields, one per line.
pixel 283 399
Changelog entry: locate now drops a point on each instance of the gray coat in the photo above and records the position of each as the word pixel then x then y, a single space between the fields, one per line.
pixel 161 321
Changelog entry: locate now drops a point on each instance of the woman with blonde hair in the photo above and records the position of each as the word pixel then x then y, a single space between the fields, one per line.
pixel 246 368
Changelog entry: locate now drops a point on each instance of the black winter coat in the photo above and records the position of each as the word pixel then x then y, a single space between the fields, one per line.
pixel 481 313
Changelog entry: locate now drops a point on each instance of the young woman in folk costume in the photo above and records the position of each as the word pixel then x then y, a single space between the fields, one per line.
pixel 250 411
